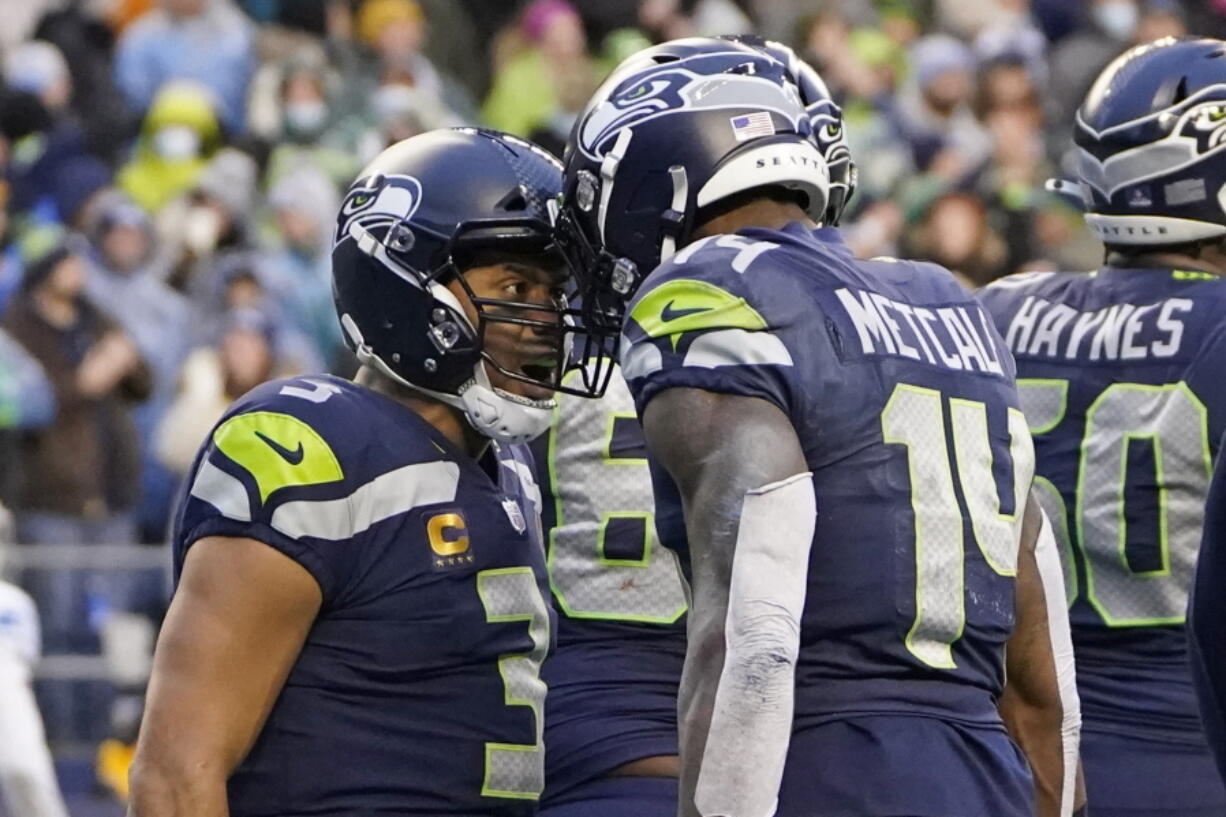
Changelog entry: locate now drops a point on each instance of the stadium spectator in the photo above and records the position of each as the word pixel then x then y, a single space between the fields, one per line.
pixel 125 281
pixel 79 474
pixel 207 41
pixel 390 36
pixel 38 68
pixel 956 234
pixel 179 134
pixel 213 377
pixel 309 128
pixel 299 269
pixel 83 34
pixel 213 220
pixel 539 91
pixel 934 113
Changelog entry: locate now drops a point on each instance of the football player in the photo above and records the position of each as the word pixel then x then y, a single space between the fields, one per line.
pixel 359 619
pixel 852 663
pixel 1120 376
pixel 1207 620
pixel 611 712
pixel 27 775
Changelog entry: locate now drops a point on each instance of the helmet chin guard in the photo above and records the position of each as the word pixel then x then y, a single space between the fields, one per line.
pixel 503 416
pixel 492 412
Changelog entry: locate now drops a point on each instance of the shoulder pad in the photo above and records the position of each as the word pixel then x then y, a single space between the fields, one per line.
pixel 285 434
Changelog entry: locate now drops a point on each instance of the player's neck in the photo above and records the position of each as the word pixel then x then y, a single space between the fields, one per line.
pixel 763 212
pixel 447 420
pixel 1211 260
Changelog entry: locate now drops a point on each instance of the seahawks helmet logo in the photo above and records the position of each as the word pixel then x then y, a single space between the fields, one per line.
pixel 1193 132
pixel 632 97
pixel 378 201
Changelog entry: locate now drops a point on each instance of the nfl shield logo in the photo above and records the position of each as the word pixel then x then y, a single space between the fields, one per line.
pixel 515 515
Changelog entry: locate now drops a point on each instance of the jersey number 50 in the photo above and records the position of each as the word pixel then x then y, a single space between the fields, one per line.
pixel 1169 423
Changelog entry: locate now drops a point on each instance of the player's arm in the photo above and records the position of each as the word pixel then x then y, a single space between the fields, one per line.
pixel 1207 620
pixel 750 513
pixel 1039 704
pixel 235 627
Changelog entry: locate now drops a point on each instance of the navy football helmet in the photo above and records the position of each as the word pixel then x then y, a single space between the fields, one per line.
pixel 1151 145
pixel 825 116
pixel 416 214
pixel 675 129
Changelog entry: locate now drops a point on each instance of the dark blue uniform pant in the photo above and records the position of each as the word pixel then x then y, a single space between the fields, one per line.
pixel 617 797
pixel 1131 777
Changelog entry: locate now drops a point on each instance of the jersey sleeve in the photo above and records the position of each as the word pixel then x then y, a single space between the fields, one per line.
pixel 713 320
pixel 274 470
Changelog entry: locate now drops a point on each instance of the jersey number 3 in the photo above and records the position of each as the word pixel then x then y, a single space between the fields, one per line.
pixel 915 417
pixel 510 594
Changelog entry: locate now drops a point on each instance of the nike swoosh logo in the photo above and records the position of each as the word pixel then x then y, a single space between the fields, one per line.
pixel 669 314
pixel 292 457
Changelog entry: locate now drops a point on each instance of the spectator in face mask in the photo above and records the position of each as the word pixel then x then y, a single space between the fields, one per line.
pixel 179 135
pixel 311 130
pixel 207 41
pixel 210 222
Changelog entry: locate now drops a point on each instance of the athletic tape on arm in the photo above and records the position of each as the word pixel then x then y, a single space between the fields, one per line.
pixel 1051 574
pixel 742 764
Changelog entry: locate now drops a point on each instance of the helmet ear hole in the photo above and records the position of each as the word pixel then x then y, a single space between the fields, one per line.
pixel 513 202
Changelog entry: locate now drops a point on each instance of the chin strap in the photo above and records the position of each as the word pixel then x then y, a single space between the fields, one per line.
pixel 494 413
pixel 500 415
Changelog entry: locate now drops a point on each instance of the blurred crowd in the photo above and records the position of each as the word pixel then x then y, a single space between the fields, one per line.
pixel 170 172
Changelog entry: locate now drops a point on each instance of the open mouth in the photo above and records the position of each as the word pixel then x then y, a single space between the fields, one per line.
pixel 541 368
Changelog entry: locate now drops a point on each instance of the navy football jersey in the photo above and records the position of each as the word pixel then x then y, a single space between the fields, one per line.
pixel 619 595
pixel 902 398
pixel 417 690
pixel 1120 376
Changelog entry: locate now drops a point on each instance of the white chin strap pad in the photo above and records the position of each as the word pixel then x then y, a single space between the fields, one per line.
pixel 747 745
pixel 501 418
pixel 1051 574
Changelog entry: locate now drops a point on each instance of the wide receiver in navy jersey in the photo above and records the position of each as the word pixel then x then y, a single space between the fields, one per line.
pixel 838 454
pixel 1120 375
pixel 360 619
pixel 611 713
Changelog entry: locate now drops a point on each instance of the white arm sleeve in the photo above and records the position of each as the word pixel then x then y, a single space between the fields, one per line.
pixel 751 725
pixel 27 775
pixel 1051 574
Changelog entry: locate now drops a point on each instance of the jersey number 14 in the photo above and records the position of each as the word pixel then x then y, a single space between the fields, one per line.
pixel 915 417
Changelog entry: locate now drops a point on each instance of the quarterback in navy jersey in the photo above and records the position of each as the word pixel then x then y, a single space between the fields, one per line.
pixel 838 454
pixel 611 713
pixel 360 617
pixel 1120 376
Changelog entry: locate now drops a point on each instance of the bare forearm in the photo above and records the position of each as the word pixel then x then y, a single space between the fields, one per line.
pixel 695 705
pixel 1035 727
pixel 190 789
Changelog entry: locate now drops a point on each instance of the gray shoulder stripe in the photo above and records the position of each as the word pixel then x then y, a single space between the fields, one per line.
pixel 392 493
pixel 225 493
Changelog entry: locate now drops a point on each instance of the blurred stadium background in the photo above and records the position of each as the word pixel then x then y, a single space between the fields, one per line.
pixel 170 169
